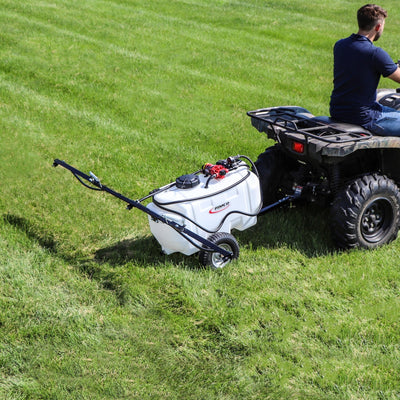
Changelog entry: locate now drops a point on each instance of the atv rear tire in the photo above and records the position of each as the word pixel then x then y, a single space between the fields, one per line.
pixel 366 213
pixel 217 260
pixel 272 166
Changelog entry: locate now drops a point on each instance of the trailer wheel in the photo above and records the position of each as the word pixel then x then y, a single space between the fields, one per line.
pixel 366 213
pixel 214 259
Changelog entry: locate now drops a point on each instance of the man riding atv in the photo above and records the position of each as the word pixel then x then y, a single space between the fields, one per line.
pixel 358 66
pixel 351 161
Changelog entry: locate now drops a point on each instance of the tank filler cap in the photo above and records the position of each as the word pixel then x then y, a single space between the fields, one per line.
pixel 187 181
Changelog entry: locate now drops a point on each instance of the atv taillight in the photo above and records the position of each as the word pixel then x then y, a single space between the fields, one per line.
pixel 298 147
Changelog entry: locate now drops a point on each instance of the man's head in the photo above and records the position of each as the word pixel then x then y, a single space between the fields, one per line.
pixel 371 18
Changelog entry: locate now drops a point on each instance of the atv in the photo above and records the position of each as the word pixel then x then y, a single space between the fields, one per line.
pixel 340 165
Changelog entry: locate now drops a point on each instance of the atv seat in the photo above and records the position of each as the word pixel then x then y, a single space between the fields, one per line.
pixel 341 125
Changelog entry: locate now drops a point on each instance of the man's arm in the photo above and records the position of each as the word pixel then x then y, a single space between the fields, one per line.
pixel 395 76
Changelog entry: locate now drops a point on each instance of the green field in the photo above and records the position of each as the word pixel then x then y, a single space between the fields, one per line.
pixel 140 92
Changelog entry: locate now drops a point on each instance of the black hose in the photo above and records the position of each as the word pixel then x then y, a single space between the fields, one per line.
pixel 87 186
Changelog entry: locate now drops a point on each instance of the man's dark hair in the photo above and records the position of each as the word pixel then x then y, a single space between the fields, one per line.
pixel 370 15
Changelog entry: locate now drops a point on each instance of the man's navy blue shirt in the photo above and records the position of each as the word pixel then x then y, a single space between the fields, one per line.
pixel 358 66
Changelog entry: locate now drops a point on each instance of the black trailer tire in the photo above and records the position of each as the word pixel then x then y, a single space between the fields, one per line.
pixel 366 213
pixel 214 259
pixel 272 165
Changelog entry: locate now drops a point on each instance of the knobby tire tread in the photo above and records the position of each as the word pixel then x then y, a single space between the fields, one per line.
pixel 348 204
pixel 219 238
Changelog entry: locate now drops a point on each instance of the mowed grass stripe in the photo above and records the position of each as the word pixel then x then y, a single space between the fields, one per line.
pixel 224 34
pixel 48 105
pixel 43 108
pixel 262 70
pixel 108 48
pixel 251 90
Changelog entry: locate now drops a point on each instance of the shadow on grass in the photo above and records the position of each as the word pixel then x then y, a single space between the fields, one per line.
pixel 108 266
pixel 25 226
pixel 144 252
pixel 305 228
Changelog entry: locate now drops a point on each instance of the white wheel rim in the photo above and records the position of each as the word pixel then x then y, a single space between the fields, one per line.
pixel 217 259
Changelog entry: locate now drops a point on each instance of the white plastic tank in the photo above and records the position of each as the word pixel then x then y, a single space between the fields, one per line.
pixel 216 205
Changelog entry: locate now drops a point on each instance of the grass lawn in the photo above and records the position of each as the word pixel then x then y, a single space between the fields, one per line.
pixel 140 92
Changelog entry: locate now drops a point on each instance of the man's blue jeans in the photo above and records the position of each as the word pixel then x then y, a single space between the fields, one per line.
pixel 387 124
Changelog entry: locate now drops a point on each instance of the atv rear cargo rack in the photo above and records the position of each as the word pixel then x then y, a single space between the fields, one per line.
pixel 300 123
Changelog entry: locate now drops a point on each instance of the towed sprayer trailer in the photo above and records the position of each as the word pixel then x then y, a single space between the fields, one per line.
pixel 197 212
